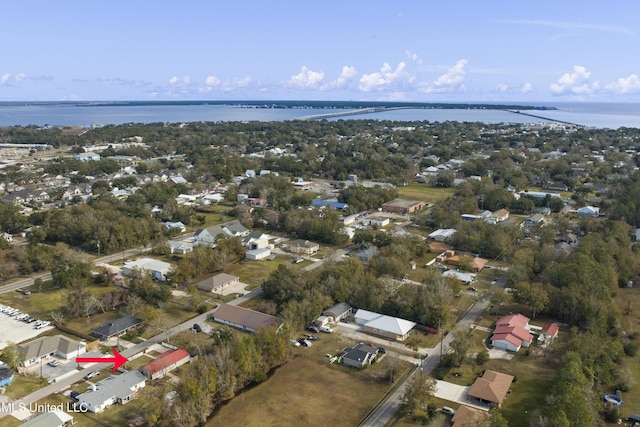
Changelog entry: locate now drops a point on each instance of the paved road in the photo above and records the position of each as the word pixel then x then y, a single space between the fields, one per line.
pixel 338 255
pixel 64 383
pixel 383 414
pixel 23 283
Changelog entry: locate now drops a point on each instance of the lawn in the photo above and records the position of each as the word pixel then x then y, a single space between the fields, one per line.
pixel 308 390
pixel 424 192
pixel 629 301
pixel 254 272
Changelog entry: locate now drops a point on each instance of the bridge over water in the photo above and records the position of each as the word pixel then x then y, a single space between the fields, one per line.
pixel 369 110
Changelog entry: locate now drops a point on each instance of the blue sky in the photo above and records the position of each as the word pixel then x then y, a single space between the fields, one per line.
pixel 418 50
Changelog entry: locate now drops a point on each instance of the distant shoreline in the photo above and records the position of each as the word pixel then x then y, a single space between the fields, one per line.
pixel 285 104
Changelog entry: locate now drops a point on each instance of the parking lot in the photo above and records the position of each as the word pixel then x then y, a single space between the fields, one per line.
pixel 12 330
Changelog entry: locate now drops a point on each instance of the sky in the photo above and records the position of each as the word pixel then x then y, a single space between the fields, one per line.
pixel 414 50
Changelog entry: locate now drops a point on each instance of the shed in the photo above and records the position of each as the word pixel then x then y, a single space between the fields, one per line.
pixel 258 254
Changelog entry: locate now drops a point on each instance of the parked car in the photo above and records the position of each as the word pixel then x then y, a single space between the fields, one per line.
pixel 26 292
pixel 91 375
pixel 196 328
pixel 53 363
pixel 312 328
pixel 311 337
pixel 326 329
pixel 74 395
pixel 382 350
pixel 305 342
pixel 449 411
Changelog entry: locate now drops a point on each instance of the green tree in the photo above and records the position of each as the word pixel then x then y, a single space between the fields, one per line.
pixel 12 356
pixel 420 387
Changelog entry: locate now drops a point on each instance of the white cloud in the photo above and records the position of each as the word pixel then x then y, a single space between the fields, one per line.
pixel 177 81
pixel 576 82
pixel 4 78
pixel 502 88
pixel 413 56
pixel 20 77
pixel 212 81
pixel 346 76
pixel 237 83
pixel 384 78
pixel 451 81
pixel 306 79
pixel 624 85
pixel 526 88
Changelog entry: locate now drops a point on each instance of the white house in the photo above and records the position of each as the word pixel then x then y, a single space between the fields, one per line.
pixel 383 325
pixel 464 277
pixel 47 347
pixel 156 269
pixel 114 389
pixel 258 254
pixel 588 211
pixel 442 234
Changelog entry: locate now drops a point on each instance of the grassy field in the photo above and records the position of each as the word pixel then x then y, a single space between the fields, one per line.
pixel 629 299
pixel 308 390
pixel 424 192
pixel 254 272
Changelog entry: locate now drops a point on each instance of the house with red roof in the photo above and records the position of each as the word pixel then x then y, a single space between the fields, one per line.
pixel 548 333
pixel 165 363
pixel 512 332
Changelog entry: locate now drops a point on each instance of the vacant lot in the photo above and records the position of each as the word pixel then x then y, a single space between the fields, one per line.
pixel 424 192
pixel 309 391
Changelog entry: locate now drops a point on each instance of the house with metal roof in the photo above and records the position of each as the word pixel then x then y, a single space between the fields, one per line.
pixel 47 347
pixel 383 325
pixel 218 283
pixel 52 418
pixel 338 311
pixel 156 269
pixel 165 363
pixel 114 389
pixel 116 327
pixel 243 318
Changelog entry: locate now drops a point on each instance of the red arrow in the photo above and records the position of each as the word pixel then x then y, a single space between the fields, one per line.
pixel 117 361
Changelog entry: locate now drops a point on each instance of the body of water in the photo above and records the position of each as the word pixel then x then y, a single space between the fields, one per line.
pixel 599 115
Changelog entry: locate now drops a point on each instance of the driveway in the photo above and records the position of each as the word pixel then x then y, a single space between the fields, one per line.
pixel 456 393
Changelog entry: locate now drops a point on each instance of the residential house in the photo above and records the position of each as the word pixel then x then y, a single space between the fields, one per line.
pixel 218 283
pixel 512 332
pixel 338 311
pixel 209 235
pixel 360 356
pixel 491 389
pixel 47 347
pixel 303 185
pixel 6 236
pixel 403 207
pixel 533 220
pixel 158 270
pixel 464 277
pixel 243 318
pixel 175 225
pixel 467 416
pixel 165 363
pixel 258 254
pixel 367 254
pixel 383 325
pixel 317 203
pixel 52 418
pixel 303 247
pixel 88 157
pixel 548 333
pixel 114 389
pixel 442 234
pixel 563 247
pixel 179 247
pixel 117 327
pixel 588 211
pixel 500 215
pixel 256 240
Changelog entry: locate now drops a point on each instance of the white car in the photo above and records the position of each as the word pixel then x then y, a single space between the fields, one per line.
pixel 53 363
